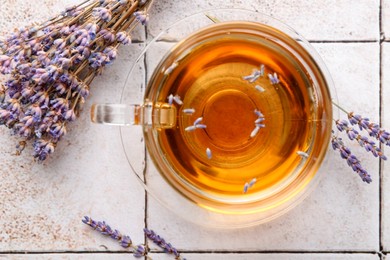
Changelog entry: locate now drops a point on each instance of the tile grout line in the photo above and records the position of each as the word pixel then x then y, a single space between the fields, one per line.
pixel 381 39
pixel 343 41
pixel 221 252
pixel 145 151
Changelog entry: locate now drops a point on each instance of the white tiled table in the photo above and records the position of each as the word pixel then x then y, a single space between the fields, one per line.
pixel 41 206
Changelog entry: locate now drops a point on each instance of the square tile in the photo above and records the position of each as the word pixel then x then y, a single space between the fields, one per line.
pixel 341 214
pixel 320 20
pixel 88 174
pixel 386 19
pixel 282 256
pixel 19 13
pixel 386 166
pixel 100 256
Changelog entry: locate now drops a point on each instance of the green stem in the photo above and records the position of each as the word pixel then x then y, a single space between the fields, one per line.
pixel 339 107
pixel 212 18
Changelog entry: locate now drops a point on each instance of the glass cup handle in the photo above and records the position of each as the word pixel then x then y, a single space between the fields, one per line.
pixel 159 115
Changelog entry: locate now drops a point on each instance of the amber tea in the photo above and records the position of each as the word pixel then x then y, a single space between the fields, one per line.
pixel 249 115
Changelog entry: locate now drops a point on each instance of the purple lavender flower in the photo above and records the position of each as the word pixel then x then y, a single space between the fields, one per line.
pixel 352 161
pixel 141 17
pixel 254 76
pixel 107 35
pixel 42 148
pixel 373 129
pixel 274 78
pixel 57 130
pixel 70 115
pixel 161 243
pixel 98 59
pixel 123 37
pixel 140 251
pixel 124 241
pixel 92 29
pixel 363 123
pixel 368 145
pixel 111 53
pixel 102 13
pixel 49 67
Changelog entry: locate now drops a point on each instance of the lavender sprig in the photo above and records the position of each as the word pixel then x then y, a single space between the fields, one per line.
pixel 369 146
pixel 373 129
pixel 352 161
pixel 364 124
pixel 140 250
pixel 49 67
pixel 168 248
pixel 125 241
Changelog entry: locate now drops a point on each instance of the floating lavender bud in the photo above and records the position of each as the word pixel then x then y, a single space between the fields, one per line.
pixel 170 99
pixel 190 128
pixel 259 120
pixel 208 153
pixel 188 111
pixel 258 113
pixel 303 154
pixel 274 78
pixel 255 131
pixel 259 88
pixel 171 68
pixel 256 74
pixel 201 126
pixel 252 182
pixel 246 187
pixel 262 70
pixel 198 120
pixel 177 99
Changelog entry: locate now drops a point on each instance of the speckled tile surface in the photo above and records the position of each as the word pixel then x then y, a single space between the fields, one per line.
pixel 386 167
pixel 386 19
pixel 320 20
pixel 277 256
pixel 42 205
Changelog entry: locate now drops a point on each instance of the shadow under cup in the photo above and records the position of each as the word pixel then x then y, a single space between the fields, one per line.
pixel 252 121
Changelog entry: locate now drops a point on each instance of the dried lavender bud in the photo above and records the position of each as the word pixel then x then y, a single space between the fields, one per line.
pixel 141 17
pixel 161 243
pixel 123 240
pixel 352 161
pixel 273 78
pixel 123 37
pixel 49 67
pixel 102 13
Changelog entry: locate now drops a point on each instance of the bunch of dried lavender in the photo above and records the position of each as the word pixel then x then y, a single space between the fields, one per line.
pixel 125 241
pixel 49 67
pixel 364 124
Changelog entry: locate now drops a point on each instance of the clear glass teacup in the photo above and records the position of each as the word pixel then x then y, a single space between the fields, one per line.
pixel 236 117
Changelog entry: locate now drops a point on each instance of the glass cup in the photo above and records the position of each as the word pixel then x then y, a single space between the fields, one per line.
pixel 236 116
